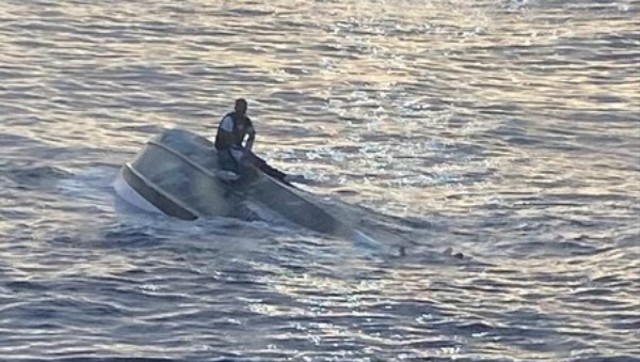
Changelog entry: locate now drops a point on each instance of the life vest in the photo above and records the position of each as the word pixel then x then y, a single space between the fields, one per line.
pixel 238 133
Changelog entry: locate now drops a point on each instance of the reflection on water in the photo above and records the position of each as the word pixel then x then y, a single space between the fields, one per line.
pixel 508 130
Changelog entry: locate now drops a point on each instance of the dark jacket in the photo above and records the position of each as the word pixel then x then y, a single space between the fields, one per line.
pixel 225 139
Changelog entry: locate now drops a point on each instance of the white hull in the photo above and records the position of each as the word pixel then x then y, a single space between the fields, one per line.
pixel 178 174
pixel 130 195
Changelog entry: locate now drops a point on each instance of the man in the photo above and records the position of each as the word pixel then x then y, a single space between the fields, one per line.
pixel 232 149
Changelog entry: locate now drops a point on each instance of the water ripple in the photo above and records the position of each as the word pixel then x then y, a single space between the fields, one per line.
pixel 491 146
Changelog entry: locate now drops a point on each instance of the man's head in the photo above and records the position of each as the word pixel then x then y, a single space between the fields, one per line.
pixel 241 106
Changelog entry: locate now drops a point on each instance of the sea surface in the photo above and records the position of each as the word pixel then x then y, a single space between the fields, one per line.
pixel 507 131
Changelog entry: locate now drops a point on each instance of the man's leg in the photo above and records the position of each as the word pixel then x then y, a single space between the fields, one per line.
pixel 258 162
pixel 227 162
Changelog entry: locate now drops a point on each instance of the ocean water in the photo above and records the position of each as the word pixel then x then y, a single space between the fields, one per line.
pixel 508 131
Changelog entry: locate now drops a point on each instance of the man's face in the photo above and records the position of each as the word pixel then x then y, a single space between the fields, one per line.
pixel 241 108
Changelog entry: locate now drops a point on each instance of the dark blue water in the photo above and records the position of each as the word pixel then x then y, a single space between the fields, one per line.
pixel 505 130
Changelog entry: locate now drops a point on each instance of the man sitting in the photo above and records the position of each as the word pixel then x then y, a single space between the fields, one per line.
pixel 233 151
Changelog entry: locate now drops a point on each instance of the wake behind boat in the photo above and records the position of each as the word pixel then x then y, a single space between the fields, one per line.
pixel 178 174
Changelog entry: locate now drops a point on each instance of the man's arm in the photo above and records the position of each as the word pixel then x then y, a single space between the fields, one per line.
pixel 226 130
pixel 252 136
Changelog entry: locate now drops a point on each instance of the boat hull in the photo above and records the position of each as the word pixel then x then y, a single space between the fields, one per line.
pixel 177 172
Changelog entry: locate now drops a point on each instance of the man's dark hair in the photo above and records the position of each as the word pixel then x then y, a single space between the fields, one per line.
pixel 241 101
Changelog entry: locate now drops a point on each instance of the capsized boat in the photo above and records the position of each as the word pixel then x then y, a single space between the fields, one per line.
pixel 178 173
